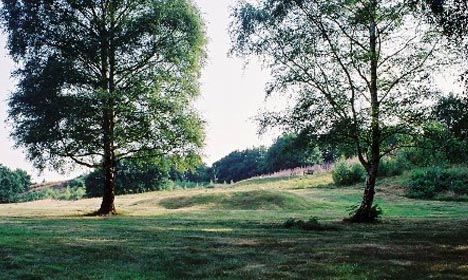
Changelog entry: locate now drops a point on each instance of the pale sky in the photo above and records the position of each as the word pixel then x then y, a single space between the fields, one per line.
pixel 231 96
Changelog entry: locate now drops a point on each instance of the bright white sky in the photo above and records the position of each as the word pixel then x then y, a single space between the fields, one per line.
pixel 231 97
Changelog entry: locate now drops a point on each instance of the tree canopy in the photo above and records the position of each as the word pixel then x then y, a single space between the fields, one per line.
pixel 105 80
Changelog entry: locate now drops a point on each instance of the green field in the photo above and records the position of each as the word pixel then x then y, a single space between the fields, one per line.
pixel 234 232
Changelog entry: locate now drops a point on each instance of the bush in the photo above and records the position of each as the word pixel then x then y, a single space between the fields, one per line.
pixel 429 182
pixel 393 166
pixel 348 173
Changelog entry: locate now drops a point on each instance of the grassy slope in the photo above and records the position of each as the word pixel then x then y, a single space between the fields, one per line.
pixel 231 233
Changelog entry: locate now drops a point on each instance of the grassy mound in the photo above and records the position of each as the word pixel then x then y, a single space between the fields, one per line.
pixel 251 200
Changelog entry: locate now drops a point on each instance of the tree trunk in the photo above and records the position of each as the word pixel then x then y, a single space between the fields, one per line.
pixel 109 166
pixel 365 213
pixel 107 206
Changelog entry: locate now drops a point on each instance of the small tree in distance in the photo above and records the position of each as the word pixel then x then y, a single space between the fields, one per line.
pixel 105 80
pixel 357 70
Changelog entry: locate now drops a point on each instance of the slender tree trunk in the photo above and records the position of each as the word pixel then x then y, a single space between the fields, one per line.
pixel 365 212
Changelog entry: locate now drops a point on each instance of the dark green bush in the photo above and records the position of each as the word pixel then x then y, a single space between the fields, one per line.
pixel 429 182
pixel 348 173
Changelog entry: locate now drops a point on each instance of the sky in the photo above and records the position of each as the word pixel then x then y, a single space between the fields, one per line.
pixel 231 96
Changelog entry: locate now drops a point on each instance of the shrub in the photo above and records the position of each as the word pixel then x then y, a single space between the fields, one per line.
pixel 311 224
pixel 348 173
pixel 393 166
pixel 429 182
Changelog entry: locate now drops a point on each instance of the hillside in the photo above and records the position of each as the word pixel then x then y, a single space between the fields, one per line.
pixel 235 232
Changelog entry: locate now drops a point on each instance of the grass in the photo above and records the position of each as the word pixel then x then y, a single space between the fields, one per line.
pixel 232 232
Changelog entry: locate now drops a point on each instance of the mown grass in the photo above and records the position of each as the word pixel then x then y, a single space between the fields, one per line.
pixel 234 232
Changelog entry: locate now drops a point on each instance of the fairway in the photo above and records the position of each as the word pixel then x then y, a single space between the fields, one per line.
pixel 234 232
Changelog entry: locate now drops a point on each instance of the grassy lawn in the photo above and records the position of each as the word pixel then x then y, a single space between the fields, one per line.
pixel 232 232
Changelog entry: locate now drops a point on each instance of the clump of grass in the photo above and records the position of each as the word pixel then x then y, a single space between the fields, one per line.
pixel 311 224
pixel 374 214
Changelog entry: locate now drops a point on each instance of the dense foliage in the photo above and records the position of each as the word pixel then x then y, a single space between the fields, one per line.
pixel 12 184
pixel 287 153
pixel 434 181
pixel 348 173
pixel 239 165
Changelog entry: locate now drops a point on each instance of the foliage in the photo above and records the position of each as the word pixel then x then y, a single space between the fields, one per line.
pixel 435 144
pixel 101 81
pixel 12 184
pixel 429 182
pixel 201 174
pixel 134 176
pixel 451 15
pixel 393 165
pixel 69 193
pixel 287 153
pixel 239 165
pixel 452 112
pixel 348 173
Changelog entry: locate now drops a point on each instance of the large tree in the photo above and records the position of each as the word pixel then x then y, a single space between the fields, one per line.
pixel 104 80
pixel 356 69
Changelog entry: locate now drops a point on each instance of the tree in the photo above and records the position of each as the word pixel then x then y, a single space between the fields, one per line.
pixel 239 165
pixel 105 80
pixel 358 69
pixel 452 112
pixel 287 152
pixel 12 184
